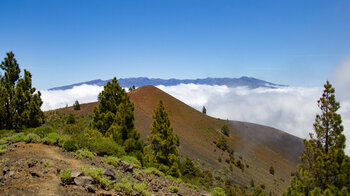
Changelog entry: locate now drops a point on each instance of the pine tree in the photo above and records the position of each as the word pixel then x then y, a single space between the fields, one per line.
pixel 105 112
pixel 204 110
pixel 20 105
pixel 123 128
pixel 325 168
pixel 164 143
pixel 114 117
pixel 76 105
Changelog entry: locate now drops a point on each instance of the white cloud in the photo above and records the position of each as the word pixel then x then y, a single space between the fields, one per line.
pixel 60 98
pixel 291 109
pixel 341 80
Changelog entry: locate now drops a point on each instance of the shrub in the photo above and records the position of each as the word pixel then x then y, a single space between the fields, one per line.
pixel 65 176
pixel 72 129
pixel 70 145
pixel 272 170
pixel 132 160
pixel 218 192
pixel 32 138
pixel 140 187
pixel 43 131
pixel 174 189
pixel 252 183
pixel 152 170
pixel 219 159
pixel 95 142
pixel 18 137
pixel 83 153
pixel 47 163
pixel 2 149
pixel 96 174
pixel 111 160
pixel 4 140
pixel 225 130
pixel 51 139
pixel 71 119
pixel 106 146
pixel 262 186
pixel 76 105
pixel 61 141
pixel 123 187
pixel 222 144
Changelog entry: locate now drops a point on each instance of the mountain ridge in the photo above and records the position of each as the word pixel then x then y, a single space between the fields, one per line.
pixel 250 82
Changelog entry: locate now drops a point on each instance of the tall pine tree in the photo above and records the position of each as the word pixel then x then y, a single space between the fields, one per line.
pixel 109 100
pixel 114 117
pixel 20 104
pixel 164 143
pixel 325 168
pixel 123 129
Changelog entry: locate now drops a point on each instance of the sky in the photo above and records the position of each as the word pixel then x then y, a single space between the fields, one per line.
pixel 297 43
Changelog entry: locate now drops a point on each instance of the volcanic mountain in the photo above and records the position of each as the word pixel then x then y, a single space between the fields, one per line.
pixel 257 147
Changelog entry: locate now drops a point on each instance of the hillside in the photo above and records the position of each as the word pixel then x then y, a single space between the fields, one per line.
pixel 254 145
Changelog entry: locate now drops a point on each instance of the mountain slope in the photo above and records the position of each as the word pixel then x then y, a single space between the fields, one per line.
pixel 142 81
pixel 254 145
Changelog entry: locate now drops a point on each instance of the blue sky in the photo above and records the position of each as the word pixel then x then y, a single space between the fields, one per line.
pixel 64 42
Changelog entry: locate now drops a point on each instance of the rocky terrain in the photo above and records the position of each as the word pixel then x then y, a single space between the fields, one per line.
pixel 34 169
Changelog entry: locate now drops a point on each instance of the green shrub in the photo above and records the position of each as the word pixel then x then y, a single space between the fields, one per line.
pixel 132 160
pixel 71 119
pixel 252 183
pixel 18 137
pixel 72 129
pixel 61 141
pixel 272 170
pixel 2 149
pixel 218 192
pixel 4 140
pixel 51 139
pixel 43 131
pixel 83 153
pixel 225 130
pixel 97 175
pixel 125 187
pixel 32 138
pixel 65 176
pixel 140 187
pixel 106 146
pixel 70 145
pixel 222 143
pixel 152 170
pixel 111 160
pixel 174 189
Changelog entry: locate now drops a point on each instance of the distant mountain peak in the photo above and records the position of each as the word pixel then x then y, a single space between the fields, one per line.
pixel 250 82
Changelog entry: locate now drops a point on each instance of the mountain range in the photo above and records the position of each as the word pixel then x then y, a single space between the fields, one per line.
pixel 250 82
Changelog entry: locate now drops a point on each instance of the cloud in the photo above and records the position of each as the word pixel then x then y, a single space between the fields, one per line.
pixel 291 109
pixel 61 98
pixel 341 80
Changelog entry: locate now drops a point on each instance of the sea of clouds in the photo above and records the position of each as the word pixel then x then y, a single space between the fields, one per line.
pixel 291 109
